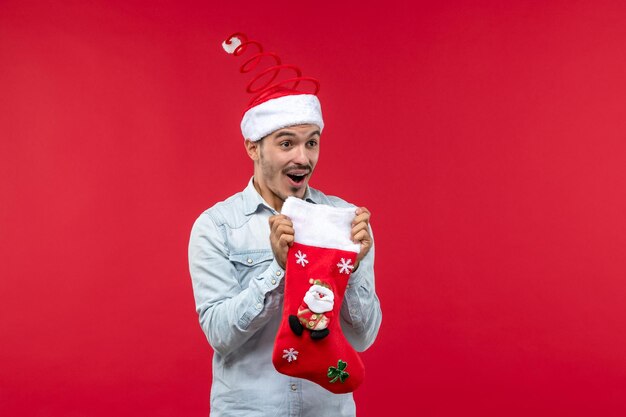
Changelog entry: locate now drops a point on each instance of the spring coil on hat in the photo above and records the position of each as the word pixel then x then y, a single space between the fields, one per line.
pixel 263 85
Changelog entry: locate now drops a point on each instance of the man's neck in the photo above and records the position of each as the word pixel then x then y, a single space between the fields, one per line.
pixel 271 199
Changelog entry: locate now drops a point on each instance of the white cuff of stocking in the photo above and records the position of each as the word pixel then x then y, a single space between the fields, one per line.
pixel 277 113
pixel 320 225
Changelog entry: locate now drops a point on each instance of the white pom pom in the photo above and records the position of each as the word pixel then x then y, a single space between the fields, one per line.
pixel 230 47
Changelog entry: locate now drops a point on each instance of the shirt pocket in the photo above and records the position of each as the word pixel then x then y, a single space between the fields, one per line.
pixel 250 264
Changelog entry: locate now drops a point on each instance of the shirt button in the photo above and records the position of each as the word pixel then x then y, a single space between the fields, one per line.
pixel 249 261
pixel 273 282
pixel 294 387
pixel 259 306
pixel 278 273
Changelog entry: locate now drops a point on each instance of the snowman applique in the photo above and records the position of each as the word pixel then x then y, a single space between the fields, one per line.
pixel 315 312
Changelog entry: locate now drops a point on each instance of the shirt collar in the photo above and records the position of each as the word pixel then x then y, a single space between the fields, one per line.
pixel 252 199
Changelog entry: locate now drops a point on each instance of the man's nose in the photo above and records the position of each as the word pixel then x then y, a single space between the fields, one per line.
pixel 300 156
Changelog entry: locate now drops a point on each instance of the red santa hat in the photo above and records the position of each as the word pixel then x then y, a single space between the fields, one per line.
pixel 277 101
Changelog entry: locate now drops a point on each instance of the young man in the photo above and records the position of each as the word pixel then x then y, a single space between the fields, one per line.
pixel 237 256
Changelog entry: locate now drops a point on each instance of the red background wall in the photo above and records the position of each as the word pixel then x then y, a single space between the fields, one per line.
pixel 487 138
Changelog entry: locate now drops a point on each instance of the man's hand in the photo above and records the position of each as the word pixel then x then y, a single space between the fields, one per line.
pixel 281 237
pixel 361 233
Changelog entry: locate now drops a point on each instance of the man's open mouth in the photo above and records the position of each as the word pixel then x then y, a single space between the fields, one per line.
pixel 297 178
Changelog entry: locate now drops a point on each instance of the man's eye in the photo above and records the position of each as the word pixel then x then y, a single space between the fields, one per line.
pixel 285 144
pixel 312 143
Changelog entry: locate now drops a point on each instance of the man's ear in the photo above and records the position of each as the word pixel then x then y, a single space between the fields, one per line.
pixel 253 149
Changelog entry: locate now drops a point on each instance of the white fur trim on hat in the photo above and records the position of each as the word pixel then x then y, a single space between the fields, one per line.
pixel 281 112
pixel 320 225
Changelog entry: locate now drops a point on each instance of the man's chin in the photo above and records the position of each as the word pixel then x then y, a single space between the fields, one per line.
pixel 297 192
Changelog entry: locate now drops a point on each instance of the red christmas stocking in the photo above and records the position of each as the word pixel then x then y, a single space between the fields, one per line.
pixel 310 343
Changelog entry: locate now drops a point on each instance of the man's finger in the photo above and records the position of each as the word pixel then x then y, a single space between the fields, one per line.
pixel 360 210
pixel 277 222
pixel 284 229
pixel 358 227
pixel 285 240
pixel 362 237
pixel 362 215
pixel 278 218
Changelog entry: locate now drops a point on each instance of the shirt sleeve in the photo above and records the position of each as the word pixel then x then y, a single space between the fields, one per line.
pixel 361 314
pixel 229 314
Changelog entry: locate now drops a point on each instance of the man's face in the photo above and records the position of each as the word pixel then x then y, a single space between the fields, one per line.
pixel 284 162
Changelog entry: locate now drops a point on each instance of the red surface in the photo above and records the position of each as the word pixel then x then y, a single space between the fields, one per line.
pixel 486 137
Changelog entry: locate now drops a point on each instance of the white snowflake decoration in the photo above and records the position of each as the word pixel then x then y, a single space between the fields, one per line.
pixel 301 259
pixel 345 266
pixel 290 355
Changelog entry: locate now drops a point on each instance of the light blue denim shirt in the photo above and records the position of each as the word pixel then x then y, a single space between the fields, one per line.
pixel 238 290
